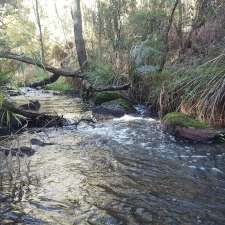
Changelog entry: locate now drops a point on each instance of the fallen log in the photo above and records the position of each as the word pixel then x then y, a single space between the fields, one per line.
pixel 35 119
pixel 112 88
pixel 57 72
pixel 30 61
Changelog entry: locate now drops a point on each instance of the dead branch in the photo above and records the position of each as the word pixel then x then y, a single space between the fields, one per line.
pixel 51 69
pixel 113 88
pixel 46 81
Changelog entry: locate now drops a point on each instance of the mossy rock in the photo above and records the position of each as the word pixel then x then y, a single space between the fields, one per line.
pixel 184 126
pixel 114 108
pixel 106 97
pixel 180 119
pixel 119 104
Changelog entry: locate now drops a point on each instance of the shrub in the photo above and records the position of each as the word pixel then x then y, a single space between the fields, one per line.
pixel 101 74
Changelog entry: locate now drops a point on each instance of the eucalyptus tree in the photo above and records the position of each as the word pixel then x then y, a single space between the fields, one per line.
pixel 78 34
pixel 37 15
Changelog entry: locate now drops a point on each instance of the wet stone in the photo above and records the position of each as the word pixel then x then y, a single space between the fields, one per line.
pixel 105 220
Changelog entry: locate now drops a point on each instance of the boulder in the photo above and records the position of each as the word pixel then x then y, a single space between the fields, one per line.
pixel 114 108
pixel 184 126
pixel 106 96
pixel 143 54
pixel 22 151
pixel 146 69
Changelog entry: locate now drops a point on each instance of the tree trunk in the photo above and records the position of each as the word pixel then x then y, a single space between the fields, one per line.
pixel 78 33
pixel 166 38
pixel 36 10
pixel 100 26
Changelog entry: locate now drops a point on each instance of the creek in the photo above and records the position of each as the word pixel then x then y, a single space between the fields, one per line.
pixel 124 171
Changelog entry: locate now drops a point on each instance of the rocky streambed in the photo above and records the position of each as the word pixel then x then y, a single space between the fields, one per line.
pixel 124 170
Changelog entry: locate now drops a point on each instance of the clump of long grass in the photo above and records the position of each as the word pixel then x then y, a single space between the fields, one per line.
pixel 201 91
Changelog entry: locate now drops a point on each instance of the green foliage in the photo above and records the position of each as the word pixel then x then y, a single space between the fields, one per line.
pixel 180 119
pixel 148 87
pixel 60 85
pixel 145 22
pixel 4 78
pixel 106 97
pixel 18 32
pixel 101 74
pixel 7 118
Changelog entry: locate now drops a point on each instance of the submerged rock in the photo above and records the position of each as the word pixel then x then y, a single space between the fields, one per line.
pixel 184 126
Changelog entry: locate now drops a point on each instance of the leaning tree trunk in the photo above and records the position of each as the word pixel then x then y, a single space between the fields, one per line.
pixel 78 33
pixel 166 38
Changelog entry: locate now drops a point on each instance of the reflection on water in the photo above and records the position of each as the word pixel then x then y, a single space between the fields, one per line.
pixel 125 171
pixel 52 103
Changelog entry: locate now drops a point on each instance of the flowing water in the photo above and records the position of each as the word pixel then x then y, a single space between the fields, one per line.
pixel 124 171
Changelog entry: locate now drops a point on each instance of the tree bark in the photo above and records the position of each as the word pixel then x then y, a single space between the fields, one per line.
pixel 78 34
pixel 166 38
pixel 36 9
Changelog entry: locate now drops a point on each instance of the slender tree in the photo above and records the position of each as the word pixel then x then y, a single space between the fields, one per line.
pixel 166 38
pixel 78 34
pixel 36 10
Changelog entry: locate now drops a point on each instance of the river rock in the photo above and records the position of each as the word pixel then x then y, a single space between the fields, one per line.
pixel 31 105
pixel 196 134
pixel 114 108
pixel 184 126
pixel 35 141
pixel 13 93
pixel 22 151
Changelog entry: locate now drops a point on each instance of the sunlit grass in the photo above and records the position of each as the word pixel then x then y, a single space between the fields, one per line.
pixel 60 85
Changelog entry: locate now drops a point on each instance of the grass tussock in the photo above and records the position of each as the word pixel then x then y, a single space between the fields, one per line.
pixel 60 85
pixel 200 91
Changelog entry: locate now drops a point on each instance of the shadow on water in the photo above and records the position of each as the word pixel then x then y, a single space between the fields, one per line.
pixel 123 171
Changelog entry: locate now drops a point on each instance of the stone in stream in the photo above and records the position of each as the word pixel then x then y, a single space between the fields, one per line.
pixel 32 105
pixel 38 142
pixel 115 108
pixel 182 125
pixel 22 151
